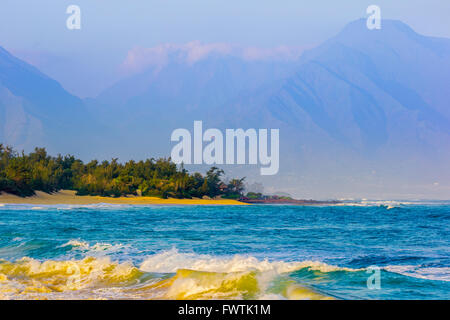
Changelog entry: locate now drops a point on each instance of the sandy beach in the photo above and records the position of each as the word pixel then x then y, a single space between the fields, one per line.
pixel 69 197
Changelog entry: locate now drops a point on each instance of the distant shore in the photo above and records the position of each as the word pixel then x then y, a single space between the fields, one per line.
pixel 69 197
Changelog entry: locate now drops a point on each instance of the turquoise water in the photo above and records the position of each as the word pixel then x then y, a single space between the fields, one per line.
pixel 229 252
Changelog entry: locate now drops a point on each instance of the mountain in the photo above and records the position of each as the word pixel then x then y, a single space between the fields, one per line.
pixel 147 107
pixel 182 92
pixel 35 110
pixel 378 79
pixel 365 114
pixel 366 108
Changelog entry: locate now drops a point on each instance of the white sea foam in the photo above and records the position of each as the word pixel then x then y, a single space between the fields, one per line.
pixel 222 277
pixel 97 206
pixel 88 206
pixel 96 248
pixel 429 273
pixel 375 203
pixel 170 261
pixel 389 204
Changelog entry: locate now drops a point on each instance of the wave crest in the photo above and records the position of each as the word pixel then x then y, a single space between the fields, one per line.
pixel 28 277
pixel 172 260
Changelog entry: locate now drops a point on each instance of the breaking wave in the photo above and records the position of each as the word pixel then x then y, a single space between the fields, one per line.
pixel 166 275
pixel 172 260
pixel 176 275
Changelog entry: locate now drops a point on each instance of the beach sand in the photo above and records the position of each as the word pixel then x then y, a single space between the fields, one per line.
pixel 69 197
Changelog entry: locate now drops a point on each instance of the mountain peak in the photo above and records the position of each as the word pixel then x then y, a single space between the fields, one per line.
pixel 360 27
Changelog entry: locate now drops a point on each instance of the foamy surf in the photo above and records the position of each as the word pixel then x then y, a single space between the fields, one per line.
pixel 172 260
pixel 94 206
pixel 166 275
pixel 420 272
pixel 390 204
pixel 175 275
pixel 98 247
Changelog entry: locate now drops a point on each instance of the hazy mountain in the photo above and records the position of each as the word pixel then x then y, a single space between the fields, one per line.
pixel 368 108
pixel 147 107
pixel 182 92
pixel 366 113
pixel 35 110
pixel 364 88
pixel 365 107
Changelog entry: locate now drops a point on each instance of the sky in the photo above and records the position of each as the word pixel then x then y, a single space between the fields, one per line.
pixel 36 30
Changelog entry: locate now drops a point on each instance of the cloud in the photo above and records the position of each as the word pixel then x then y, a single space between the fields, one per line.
pixel 139 59
pixel 142 58
pixel 277 53
pixel 196 51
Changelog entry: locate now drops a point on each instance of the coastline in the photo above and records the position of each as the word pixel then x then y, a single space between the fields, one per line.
pixel 69 197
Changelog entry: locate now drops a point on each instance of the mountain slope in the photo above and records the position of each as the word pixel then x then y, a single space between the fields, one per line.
pixel 369 107
pixel 36 111
pixel 361 82
pixel 366 109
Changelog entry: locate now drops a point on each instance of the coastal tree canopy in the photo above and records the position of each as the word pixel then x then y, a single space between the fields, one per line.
pixel 23 174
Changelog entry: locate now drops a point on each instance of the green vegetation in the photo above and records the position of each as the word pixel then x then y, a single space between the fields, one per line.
pixel 234 189
pixel 260 196
pixel 22 175
pixel 254 196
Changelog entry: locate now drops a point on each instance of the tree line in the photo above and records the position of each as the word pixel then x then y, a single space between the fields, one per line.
pixel 23 174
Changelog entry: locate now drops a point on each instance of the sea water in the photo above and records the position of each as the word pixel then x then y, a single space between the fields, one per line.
pixel 226 252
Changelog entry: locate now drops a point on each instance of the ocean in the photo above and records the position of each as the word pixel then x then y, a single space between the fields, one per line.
pixel 362 250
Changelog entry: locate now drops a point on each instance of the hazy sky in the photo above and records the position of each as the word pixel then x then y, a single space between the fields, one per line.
pixel 36 30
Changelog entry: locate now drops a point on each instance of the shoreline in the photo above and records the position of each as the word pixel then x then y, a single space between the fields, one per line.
pixel 69 197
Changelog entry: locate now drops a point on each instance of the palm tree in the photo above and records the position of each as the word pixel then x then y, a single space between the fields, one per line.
pixel 236 186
